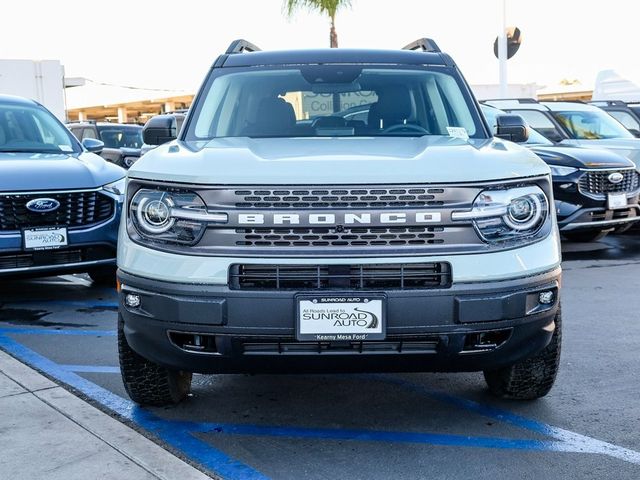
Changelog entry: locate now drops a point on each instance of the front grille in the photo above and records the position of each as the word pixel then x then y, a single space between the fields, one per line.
pixel 596 183
pixel 403 276
pixel 342 237
pixel 45 258
pixel 339 197
pixel 77 209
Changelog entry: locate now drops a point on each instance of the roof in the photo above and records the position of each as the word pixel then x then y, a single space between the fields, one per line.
pixel 570 106
pixel 334 55
pixel 15 100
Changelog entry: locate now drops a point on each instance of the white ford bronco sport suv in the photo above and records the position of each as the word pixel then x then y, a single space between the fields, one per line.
pixel 277 234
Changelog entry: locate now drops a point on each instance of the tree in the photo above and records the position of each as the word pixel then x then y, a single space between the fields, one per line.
pixel 325 7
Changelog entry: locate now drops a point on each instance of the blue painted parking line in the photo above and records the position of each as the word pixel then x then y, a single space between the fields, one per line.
pixel 175 434
pixel 181 432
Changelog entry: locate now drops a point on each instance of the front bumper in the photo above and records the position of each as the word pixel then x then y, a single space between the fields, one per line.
pixel 577 211
pixel 87 248
pixel 467 327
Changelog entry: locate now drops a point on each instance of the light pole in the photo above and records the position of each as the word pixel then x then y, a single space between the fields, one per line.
pixel 502 52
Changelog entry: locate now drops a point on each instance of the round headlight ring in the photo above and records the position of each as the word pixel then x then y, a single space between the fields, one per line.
pixel 154 215
pixel 524 213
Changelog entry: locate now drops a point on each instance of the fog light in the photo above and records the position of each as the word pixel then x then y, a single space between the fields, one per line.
pixel 132 300
pixel 546 298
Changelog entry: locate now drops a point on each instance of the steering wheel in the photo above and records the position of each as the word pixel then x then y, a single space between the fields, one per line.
pixel 406 127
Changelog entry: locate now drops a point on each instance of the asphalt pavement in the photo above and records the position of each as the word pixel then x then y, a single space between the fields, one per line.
pixel 364 426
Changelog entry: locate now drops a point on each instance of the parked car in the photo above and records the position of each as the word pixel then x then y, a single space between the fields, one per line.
pixel 414 241
pixel 60 203
pixel 628 114
pixel 595 191
pixel 122 142
pixel 178 117
pixel 574 123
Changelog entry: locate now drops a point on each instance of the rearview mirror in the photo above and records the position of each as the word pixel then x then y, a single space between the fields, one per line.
pixel 160 129
pixel 512 128
pixel 93 145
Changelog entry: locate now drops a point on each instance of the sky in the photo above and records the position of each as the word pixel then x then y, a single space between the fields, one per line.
pixel 171 44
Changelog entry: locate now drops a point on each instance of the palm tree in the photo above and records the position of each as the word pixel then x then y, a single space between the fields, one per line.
pixel 325 7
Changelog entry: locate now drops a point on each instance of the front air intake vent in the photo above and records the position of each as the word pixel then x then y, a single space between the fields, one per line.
pixel 404 276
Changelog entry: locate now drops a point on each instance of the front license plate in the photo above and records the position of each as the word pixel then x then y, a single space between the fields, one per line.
pixel 46 238
pixel 349 318
pixel 617 200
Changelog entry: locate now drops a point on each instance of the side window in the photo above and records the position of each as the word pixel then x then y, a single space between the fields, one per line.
pixel 88 133
pixel 77 132
pixel 625 119
pixel 540 122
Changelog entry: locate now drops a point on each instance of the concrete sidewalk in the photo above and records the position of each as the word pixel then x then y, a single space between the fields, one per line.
pixel 48 433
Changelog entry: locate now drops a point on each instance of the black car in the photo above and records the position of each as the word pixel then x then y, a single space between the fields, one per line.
pixel 122 142
pixel 595 191
pixel 628 114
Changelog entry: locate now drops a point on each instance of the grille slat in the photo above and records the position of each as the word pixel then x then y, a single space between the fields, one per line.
pixel 596 183
pixel 77 209
pixel 309 237
pixel 352 277
pixel 344 198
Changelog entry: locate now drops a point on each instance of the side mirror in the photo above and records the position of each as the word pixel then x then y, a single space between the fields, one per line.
pixel 160 129
pixel 93 145
pixel 634 132
pixel 512 128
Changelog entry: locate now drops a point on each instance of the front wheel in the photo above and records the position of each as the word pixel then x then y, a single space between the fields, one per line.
pixel 585 235
pixel 148 383
pixel 531 378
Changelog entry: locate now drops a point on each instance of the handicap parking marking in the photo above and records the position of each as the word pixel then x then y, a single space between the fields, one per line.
pixel 180 434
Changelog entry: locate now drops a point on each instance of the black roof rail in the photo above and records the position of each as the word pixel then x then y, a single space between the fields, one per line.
pixel 424 44
pixel 241 46
pixel 608 103
pixel 81 121
pixel 518 100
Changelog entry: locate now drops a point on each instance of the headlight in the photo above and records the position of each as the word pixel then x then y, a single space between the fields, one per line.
pixel 117 188
pixel 558 171
pixel 171 216
pixel 513 214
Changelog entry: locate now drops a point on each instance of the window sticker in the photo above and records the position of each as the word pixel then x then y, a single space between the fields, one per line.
pixel 458 132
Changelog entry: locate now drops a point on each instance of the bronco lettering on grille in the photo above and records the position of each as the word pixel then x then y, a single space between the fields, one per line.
pixel 364 218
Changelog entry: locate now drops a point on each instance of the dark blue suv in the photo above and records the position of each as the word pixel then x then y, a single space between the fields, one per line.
pixel 60 203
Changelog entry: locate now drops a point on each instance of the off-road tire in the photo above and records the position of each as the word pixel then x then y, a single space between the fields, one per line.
pixel 531 378
pixel 103 275
pixel 585 236
pixel 148 383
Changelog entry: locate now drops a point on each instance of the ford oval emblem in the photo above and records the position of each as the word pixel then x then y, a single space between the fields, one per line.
pixel 615 177
pixel 43 205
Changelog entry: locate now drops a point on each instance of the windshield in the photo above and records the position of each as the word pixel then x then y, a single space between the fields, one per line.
pixel 117 136
pixel 332 100
pixel 591 125
pixel 31 129
pixel 491 113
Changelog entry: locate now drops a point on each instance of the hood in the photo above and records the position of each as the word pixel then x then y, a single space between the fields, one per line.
pixel 581 157
pixel 627 147
pixel 37 172
pixel 329 161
